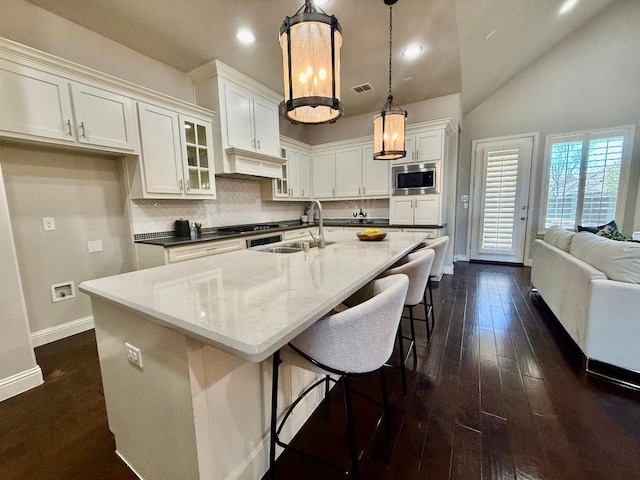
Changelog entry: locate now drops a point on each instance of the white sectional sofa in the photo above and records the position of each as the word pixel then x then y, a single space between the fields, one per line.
pixel 592 285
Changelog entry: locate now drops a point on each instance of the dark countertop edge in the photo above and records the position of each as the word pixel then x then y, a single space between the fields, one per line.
pixel 168 242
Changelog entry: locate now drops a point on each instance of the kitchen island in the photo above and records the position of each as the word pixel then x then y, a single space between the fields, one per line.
pixel 198 405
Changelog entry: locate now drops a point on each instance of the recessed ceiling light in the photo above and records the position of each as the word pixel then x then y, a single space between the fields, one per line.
pixel 567 6
pixel 412 51
pixel 245 36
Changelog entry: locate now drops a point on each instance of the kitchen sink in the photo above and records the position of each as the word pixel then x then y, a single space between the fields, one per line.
pixel 291 247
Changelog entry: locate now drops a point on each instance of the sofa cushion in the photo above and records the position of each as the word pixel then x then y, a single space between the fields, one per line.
pixel 612 223
pixel 611 232
pixel 617 260
pixel 559 237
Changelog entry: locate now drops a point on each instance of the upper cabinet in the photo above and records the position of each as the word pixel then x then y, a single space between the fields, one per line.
pixel 344 170
pixel 176 156
pixel 295 181
pixel 36 105
pixel 247 130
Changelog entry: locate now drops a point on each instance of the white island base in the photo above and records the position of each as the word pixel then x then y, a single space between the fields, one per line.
pixel 199 407
pixel 192 411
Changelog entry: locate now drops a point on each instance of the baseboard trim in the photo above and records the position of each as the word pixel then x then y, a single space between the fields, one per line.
pixel 20 382
pixel 58 332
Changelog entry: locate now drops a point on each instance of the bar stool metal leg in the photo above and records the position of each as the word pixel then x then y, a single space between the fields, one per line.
pixel 274 413
pixel 403 374
pixel 350 428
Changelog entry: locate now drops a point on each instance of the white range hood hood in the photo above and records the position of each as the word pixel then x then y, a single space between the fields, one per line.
pixel 246 163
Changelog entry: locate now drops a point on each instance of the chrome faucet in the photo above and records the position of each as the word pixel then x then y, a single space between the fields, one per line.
pixel 320 240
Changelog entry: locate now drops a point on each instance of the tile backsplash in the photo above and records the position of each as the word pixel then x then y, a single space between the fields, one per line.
pixel 238 202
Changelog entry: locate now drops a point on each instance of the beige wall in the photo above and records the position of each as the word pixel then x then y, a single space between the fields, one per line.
pixel 83 193
pixel 25 23
pixel 16 353
pixel 590 81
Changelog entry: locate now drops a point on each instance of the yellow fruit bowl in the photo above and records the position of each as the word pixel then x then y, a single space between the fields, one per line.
pixel 371 235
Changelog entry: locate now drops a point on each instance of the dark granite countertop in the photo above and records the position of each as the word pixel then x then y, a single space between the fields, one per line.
pixel 211 234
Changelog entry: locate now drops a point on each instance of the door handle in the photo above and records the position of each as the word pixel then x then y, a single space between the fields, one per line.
pixel 69 126
pixel 84 133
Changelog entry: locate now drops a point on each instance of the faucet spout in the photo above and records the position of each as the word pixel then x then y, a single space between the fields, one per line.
pixel 321 242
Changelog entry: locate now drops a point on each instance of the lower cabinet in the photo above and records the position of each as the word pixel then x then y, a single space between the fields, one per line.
pixel 155 255
pixel 415 210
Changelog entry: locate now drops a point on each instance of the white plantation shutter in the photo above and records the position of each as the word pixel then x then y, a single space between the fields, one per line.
pixel 501 175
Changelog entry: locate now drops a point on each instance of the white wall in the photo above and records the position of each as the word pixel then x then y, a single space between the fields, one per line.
pixel 590 81
pixel 18 369
pixel 29 25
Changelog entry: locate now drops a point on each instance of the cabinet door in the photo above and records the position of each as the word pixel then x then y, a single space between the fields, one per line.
pixel 197 156
pixel 410 147
pixel 294 172
pixel 429 146
pixel 323 168
pixel 401 210
pixel 376 176
pixel 34 103
pixel 266 126
pixel 160 149
pixel 238 116
pixel 303 175
pixel 349 172
pixel 104 118
pixel 427 210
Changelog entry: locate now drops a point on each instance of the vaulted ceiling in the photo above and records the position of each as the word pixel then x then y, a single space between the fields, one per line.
pixel 470 46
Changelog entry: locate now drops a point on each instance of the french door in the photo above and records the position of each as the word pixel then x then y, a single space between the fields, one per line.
pixel 500 203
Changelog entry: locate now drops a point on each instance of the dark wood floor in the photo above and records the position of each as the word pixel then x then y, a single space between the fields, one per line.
pixel 499 394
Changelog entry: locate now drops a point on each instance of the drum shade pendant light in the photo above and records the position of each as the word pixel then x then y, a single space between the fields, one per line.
pixel 388 126
pixel 311 42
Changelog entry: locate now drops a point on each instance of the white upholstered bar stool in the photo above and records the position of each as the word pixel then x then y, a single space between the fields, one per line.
pixel 439 246
pixel 357 340
pixel 417 267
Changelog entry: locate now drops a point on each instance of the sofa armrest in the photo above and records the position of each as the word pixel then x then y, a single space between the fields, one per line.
pixel 613 334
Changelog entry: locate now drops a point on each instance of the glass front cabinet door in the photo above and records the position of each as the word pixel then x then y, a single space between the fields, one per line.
pixel 198 166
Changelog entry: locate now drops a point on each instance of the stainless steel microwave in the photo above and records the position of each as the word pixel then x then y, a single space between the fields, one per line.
pixel 416 178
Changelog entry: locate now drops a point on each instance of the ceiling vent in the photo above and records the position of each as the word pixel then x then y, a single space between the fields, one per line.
pixel 365 87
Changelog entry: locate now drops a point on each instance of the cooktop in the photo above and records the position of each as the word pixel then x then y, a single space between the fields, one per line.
pixel 248 228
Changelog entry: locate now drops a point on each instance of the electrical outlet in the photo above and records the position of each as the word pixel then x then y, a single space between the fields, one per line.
pixel 133 355
pixel 48 223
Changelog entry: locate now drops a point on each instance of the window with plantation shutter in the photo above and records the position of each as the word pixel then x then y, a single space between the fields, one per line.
pixel 499 200
pixel 584 177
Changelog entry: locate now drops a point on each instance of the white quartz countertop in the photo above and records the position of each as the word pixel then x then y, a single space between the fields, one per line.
pixel 251 303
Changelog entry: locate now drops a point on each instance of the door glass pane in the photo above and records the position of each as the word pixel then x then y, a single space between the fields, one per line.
pixel 190 132
pixel 204 176
pixel 192 157
pixel 193 179
pixel 564 181
pixel 204 159
pixel 604 160
pixel 501 175
pixel 202 137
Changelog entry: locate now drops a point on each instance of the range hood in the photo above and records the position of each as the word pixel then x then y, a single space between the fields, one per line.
pixel 246 163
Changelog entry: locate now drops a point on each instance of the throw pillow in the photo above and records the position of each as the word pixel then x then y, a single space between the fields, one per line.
pixel 611 232
pixel 612 223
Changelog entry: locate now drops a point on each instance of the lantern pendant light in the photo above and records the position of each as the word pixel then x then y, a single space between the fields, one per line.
pixel 311 42
pixel 388 126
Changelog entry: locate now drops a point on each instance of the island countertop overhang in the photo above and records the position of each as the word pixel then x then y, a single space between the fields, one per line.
pixel 251 303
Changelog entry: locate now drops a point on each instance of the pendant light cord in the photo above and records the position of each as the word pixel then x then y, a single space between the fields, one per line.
pixel 390 45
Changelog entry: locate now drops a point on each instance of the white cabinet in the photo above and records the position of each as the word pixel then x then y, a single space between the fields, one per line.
pixel 176 157
pixel 415 210
pixel 295 181
pixel 251 121
pixel 41 106
pixel 376 178
pixel 324 174
pixel 424 146
pixel 348 172
pixel 247 129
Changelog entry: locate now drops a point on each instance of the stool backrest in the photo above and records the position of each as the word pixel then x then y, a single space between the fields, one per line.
pixel 417 268
pixel 439 245
pixel 361 338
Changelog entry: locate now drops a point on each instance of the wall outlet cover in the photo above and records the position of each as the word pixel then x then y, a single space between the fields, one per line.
pixel 48 223
pixel 134 355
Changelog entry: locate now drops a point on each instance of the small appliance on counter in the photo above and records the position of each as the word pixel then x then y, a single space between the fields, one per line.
pixel 181 227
